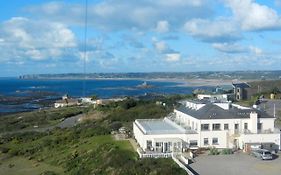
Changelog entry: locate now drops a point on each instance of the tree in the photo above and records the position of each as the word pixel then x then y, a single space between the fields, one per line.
pixel 275 90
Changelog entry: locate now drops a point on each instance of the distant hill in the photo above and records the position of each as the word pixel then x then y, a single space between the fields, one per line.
pixel 229 75
pixel 265 86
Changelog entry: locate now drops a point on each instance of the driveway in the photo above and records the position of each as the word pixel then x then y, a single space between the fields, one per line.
pixel 235 164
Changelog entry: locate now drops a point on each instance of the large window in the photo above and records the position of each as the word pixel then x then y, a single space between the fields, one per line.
pixel 215 141
pixel 193 143
pixel 216 126
pixel 206 141
pixel 226 127
pixel 148 144
pixel 204 127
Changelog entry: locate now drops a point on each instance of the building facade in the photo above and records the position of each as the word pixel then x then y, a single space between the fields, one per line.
pixel 206 124
pixel 240 91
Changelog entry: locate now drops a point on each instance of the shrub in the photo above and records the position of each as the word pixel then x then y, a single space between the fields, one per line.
pixel 227 151
pixel 214 151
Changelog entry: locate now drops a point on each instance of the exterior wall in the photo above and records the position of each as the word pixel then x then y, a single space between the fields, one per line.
pixel 217 96
pixel 226 139
pixel 142 138
pixel 259 138
pixel 139 136
pixel 222 137
pixel 188 120
pixel 267 123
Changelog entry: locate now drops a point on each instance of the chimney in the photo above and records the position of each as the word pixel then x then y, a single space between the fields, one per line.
pixel 254 122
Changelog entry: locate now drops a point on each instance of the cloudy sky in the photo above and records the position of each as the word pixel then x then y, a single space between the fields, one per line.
pixel 39 36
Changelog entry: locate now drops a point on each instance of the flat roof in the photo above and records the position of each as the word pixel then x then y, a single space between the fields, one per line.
pixel 159 126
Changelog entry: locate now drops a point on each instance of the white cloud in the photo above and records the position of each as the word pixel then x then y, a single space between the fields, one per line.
pixel 229 47
pixel 237 48
pixel 162 26
pixel 219 30
pixel 255 50
pixel 161 46
pixel 254 16
pixel 173 57
pixel 125 14
pixel 36 40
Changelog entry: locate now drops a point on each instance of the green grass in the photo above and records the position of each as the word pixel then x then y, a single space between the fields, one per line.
pixel 23 166
pixel 41 118
pixel 88 148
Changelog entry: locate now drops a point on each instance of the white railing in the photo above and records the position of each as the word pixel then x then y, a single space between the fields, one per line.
pixel 153 154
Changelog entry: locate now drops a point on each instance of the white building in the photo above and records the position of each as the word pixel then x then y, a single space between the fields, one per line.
pixel 66 102
pixel 220 97
pixel 206 124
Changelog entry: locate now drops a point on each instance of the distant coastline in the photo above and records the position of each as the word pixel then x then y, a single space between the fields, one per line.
pixel 184 82
pixel 208 78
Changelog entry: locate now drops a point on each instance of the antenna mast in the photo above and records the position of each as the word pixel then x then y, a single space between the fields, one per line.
pixel 85 47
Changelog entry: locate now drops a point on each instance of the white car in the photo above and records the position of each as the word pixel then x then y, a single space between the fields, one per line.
pixel 263 154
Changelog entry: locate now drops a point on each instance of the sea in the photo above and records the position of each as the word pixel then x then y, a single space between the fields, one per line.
pixel 19 95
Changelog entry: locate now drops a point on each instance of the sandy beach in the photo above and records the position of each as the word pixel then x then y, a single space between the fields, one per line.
pixel 199 82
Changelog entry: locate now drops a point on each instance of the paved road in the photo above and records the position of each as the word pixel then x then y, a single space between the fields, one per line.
pixel 236 164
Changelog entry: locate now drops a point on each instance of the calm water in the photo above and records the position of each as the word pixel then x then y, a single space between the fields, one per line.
pixel 54 89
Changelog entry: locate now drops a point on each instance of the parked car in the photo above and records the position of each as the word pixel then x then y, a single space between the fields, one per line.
pixel 262 154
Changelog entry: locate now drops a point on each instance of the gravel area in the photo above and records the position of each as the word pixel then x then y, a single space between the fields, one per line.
pixel 236 164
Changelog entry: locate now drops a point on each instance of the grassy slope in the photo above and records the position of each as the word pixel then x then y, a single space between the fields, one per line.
pixel 89 149
pixel 39 118
pixel 24 166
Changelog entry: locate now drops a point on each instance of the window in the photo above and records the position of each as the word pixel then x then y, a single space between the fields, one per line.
pixel 206 141
pixel 158 144
pixel 245 125
pixel 259 126
pixel 148 144
pixel 216 126
pixel 238 97
pixel 192 143
pixel 215 141
pixel 226 127
pixel 236 126
pixel 204 127
pixel 238 90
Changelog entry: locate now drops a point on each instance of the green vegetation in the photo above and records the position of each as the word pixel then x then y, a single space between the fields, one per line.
pixel 87 148
pixel 250 102
pixel 227 151
pixel 36 118
pixel 214 151
pixel 23 166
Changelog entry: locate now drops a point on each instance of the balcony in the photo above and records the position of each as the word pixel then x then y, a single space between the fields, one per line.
pixel 266 131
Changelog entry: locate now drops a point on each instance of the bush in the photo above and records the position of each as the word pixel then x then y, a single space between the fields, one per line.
pixel 214 151
pixel 227 151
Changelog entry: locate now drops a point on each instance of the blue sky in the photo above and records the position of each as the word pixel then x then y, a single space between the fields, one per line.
pixel 38 36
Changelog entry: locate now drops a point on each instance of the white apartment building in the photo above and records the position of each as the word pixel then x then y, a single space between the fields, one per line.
pixel 202 123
